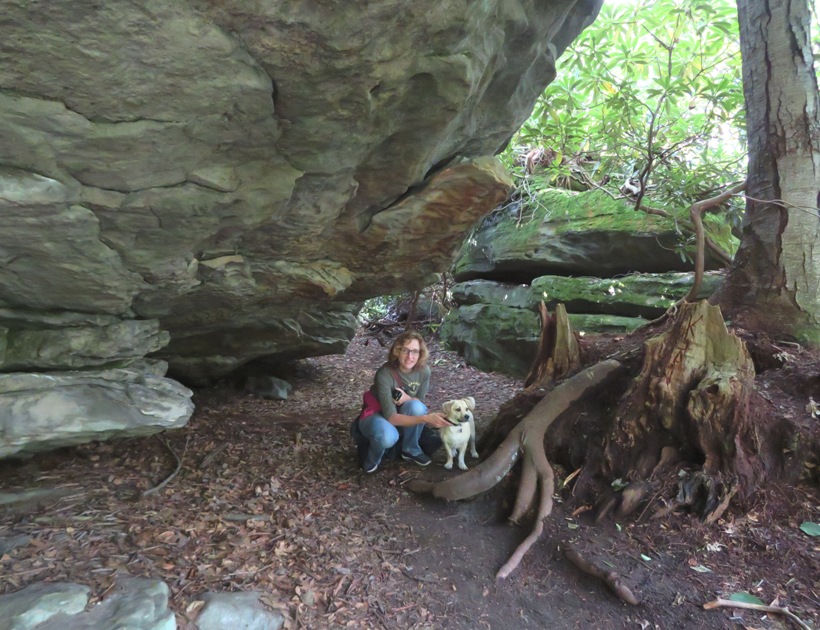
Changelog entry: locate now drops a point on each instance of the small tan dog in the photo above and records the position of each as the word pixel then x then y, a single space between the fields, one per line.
pixel 457 437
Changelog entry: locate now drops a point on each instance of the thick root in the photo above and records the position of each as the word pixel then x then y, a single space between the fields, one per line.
pixel 526 438
pixel 492 470
pixel 527 485
pixel 612 580
pixel 546 481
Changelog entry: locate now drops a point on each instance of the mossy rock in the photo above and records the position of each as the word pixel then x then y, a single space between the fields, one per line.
pixel 504 339
pixel 588 234
pixel 634 295
pixel 493 338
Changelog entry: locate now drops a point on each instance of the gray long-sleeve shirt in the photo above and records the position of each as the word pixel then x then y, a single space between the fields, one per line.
pixel 415 384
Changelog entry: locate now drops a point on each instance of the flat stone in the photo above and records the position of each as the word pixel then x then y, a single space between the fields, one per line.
pixel 37 603
pixel 241 610
pixel 45 411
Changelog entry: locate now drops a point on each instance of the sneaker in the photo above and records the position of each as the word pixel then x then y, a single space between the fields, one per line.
pixel 373 469
pixel 421 459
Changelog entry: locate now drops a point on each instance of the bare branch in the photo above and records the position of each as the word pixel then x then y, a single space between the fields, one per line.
pixel 170 477
pixel 762 608
pixel 696 214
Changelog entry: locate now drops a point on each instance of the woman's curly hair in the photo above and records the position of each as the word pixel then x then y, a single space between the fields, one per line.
pixel 401 341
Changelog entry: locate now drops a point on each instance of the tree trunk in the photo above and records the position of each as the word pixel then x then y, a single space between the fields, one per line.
pixel 774 283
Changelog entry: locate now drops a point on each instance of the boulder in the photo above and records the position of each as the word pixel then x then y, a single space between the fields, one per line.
pixel 566 233
pixel 495 326
pixel 134 603
pixel 40 411
pixel 37 603
pixel 268 387
pixel 246 173
pixel 493 338
pixel 211 184
pixel 612 268
pixel 236 610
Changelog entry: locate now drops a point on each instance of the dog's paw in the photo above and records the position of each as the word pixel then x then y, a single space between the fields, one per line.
pixel 474 454
pixel 449 465
pixel 462 466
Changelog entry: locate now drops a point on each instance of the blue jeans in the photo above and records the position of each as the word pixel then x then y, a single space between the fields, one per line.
pixel 381 435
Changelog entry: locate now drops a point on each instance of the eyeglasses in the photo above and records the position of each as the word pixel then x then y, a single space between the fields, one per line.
pixel 412 353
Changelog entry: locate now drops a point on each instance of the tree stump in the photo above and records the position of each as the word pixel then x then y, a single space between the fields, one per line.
pixel 558 354
pixel 692 395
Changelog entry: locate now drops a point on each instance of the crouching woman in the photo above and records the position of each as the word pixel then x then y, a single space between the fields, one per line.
pixel 394 413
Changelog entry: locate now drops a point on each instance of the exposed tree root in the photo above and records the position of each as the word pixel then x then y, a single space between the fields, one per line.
pixel 610 578
pixel 546 478
pixel 526 439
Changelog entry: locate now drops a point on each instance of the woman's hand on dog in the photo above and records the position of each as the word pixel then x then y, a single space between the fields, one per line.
pixel 437 420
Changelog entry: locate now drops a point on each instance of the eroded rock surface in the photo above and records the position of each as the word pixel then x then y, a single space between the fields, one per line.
pixel 40 411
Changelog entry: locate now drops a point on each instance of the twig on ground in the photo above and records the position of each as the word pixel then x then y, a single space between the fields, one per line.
pixel 780 610
pixel 170 477
pixel 420 578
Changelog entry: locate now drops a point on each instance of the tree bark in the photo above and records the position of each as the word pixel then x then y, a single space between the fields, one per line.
pixel 774 282
pixel 692 395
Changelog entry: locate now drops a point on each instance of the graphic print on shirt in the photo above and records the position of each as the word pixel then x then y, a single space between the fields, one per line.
pixel 412 387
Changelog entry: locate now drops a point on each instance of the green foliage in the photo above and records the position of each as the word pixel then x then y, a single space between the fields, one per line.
pixel 377 308
pixel 651 93
pixel 429 306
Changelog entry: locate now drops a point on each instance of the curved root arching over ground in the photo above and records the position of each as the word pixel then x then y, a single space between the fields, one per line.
pixel 526 441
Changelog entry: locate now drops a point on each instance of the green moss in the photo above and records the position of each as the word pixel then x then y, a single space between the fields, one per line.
pixel 567 211
pixel 558 211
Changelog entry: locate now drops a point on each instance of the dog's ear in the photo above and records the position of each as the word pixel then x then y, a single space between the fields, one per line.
pixel 470 402
pixel 447 407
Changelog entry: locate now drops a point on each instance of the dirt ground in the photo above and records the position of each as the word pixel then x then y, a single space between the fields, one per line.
pixel 269 498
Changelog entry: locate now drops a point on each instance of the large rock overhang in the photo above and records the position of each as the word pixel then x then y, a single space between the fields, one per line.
pixel 246 173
